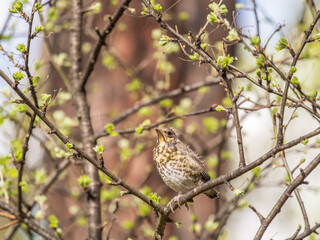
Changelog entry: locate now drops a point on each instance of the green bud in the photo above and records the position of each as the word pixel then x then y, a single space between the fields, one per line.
pixel 282 44
pixel 38 28
pixel 238 192
pixel 212 17
pixel 255 40
pixel 195 57
pixel 220 108
pixel 158 8
pixel 99 149
pixel 69 146
pixel 17 76
pixel 224 61
pixel 233 35
pixel 293 69
pixel 295 81
pixel 38 7
pixel 84 181
pixel 21 47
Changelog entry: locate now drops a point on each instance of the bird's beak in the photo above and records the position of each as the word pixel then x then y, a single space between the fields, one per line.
pixel 160 135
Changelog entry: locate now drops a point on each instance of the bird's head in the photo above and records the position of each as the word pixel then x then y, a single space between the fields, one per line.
pixel 166 136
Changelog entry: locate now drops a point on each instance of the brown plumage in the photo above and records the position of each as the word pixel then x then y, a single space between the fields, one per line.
pixel 179 167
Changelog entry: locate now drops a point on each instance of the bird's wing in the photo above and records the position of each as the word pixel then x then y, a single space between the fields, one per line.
pixel 197 161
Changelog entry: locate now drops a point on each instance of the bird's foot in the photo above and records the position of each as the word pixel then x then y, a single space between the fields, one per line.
pixel 175 199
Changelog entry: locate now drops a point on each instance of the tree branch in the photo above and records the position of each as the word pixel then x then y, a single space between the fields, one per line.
pixel 286 194
pixel 29 222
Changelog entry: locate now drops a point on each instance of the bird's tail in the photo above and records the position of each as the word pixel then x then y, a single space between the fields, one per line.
pixel 212 193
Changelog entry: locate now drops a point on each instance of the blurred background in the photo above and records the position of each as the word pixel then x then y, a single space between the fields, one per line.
pixel 133 68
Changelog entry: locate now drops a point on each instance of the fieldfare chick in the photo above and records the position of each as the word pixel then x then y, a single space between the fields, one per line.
pixel 179 167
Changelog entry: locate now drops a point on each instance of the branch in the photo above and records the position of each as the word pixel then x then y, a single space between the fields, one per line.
pixel 29 222
pixel 235 114
pixel 286 194
pixel 171 94
pixel 42 190
pixel 102 37
pixel 85 124
pixel 296 192
pixel 240 171
pixel 21 163
pixel 307 232
pixel 83 154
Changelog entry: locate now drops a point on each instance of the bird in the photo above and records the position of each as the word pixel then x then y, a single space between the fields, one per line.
pixel 179 166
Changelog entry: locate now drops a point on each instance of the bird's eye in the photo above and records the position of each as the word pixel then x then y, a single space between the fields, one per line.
pixel 170 133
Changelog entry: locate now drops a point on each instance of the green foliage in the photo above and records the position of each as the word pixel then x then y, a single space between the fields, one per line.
pixel 216 8
pixel 17 76
pixel 313 94
pixel 110 129
pixel 233 35
pixel 84 180
pixel 17 7
pixel 212 18
pixel 163 40
pixel 295 81
pixel 220 108
pixel 125 149
pixel 226 154
pixel 154 197
pixel 21 47
pixel 145 123
pixel 183 16
pixel 38 7
pixel 255 40
pixel 211 225
pixel 211 124
pixel 305 141
pixel 109 62
pixel 256 171
pixel 17 148
pixel 157 8
pixel 24 186
pixel 127 225
pixel 203 90
pixel 212 161
pixel 134 85
pixel 53 14
pixel 54 221
pixel 224 61
pixel 282 44
pixel 22 108
pixel 166 103
pixel 238 192
pixel 35 80
pixel 96 7
pixel 196 228
pixel 107 195
pixel 195 57
pixel 178 224
pixel 204 46
pixel 260 61
pixel 144 210
pixel 99 149
pixel 40 176
pixel 41 199
pixel 69 146
pixel 274 111
pixel 46 98
pixel 64 122
pixel 317 37
pixel 62 60
pixel 38 28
